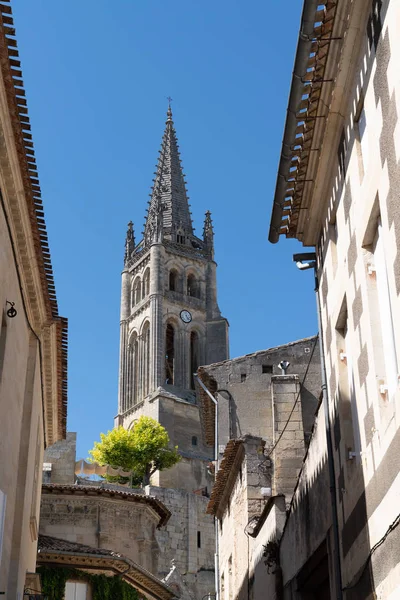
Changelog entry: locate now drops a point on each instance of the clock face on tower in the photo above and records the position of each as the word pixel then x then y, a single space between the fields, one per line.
pixel 185 316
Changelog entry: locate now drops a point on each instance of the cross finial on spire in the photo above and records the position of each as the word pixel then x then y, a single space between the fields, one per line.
pixel 169 111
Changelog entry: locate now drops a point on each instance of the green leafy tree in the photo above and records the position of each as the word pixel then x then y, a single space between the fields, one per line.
pixel 141 451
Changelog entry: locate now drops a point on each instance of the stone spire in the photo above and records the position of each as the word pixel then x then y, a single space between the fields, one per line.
pixel 208 234
pixel 168 206
pixel 129 242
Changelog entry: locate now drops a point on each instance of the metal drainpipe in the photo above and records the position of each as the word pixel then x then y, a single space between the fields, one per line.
pixel 331 462
pixel 216 555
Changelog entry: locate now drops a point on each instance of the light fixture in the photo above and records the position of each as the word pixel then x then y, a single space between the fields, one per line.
pixel 11 312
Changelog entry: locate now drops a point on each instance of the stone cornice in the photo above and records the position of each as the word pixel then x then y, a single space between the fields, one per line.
pixel 95 491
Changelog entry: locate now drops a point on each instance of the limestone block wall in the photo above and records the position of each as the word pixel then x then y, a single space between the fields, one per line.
pixel 188 538
pixel 62 455
pixel 245 398
pixel 238 506
pixel 114 524
pixel 288 434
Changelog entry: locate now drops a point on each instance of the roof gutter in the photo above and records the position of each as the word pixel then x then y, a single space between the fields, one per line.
pixel 296 91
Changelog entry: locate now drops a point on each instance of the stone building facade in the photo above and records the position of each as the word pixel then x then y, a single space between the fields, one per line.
pixel 170 320
pixel 33 337
pixel 254 396
pixel 133 522
pixel 257 473
pixel 171 324
pixel 343 200
pixel 115 519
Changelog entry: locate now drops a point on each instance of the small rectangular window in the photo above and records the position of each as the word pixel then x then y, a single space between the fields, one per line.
pixel 267 369
pixel 243 377
pixel 374 26
pixel 75 590
pixel 199 539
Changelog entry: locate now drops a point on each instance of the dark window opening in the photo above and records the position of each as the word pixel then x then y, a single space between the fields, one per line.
pixel 194 441
pixel 267 369
pixel 146 359
pixel 199 539
pixel 180 238
pixel 374 26
pixel 172 280
pixel 169 355
pixel 342 155
pixel 192 287
pixel 46 477
pixel 243 377
pixel 194 356
pixel 313 579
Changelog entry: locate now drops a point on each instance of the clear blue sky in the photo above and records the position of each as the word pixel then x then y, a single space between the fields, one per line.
pixel 97 74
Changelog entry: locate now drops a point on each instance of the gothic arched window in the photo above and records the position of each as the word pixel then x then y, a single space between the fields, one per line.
pixel 180 237
pixel 194 356
pixel 192 286
pixel 146 358
pixel 173 280
pixel 137 291
pixel 169 354
pixel 133 368
pixel 146 283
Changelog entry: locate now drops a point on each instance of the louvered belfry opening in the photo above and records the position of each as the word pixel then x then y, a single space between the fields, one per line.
pixel 169 354
pixel 194 356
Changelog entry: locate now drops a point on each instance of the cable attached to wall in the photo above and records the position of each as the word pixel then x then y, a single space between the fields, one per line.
pixel 21 289
pixel 391 528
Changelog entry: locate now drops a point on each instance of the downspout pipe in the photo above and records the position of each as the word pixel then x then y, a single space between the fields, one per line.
pixel 296 91
pixel 331 460
pixel 308 260
pixel 216 456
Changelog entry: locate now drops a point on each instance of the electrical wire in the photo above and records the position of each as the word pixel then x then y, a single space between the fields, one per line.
pixel 296 401
pixel 391 527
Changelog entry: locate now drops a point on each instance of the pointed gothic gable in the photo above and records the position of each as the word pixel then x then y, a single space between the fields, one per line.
pixel 169 200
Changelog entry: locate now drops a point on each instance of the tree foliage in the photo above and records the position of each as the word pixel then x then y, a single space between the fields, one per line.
pixel 142 450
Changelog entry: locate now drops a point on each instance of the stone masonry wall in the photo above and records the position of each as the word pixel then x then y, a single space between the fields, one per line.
pixel 115 524
pixel 288 435
pixel 188 528
pixel 62 455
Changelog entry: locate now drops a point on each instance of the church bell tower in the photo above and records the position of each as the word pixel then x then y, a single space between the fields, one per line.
pixel 170 320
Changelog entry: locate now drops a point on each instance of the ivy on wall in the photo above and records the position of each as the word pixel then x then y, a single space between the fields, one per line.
pixel 103 588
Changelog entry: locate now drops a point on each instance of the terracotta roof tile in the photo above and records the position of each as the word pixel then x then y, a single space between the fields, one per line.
pixel 222 477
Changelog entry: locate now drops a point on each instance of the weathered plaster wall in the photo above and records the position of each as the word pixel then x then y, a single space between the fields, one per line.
pixel 21 426
pixel 359 294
